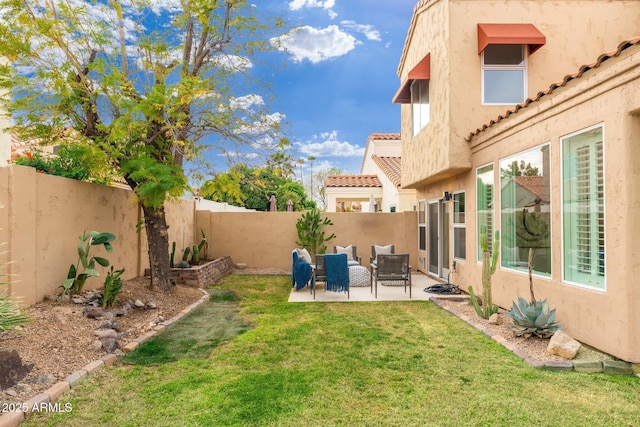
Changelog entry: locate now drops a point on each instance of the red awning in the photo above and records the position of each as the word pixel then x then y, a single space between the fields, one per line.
pixel 510 34
pixel 422 71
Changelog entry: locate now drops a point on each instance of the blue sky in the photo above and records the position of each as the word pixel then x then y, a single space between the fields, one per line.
pixel 340 75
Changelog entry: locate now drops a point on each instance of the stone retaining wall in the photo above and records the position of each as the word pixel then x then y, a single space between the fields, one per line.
pixel 201 276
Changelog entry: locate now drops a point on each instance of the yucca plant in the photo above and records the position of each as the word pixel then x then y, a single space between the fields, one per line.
pixel 533 318
pixel 112 287
pixel 11 315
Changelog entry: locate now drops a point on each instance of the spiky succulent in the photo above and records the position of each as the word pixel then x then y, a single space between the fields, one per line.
pixel 533 319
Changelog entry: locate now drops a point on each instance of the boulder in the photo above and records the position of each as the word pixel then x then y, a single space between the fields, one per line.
pixel 563 345
pixel 12 370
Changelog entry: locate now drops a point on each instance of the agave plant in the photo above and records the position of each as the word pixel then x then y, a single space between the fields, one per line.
pixel 533 318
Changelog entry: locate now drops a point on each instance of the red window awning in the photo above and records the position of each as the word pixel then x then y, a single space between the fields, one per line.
pixel 510 34
pixel 422 71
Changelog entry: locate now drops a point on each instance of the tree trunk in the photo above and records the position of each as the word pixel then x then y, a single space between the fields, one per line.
pixel 158 242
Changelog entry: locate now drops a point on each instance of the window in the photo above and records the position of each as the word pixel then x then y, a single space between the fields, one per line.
pixel 484 200
pixel 583 208
pixel 459 227
pixel 504 74
pixel 422 225
pixel 419 104
pixel 525 207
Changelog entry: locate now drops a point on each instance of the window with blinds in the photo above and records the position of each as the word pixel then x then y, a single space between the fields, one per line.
pixel 583 208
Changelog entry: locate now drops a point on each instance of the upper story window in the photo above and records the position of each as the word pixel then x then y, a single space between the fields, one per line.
pixel 419 105
pixel 504 74
pixel 505 50
pixel 414 90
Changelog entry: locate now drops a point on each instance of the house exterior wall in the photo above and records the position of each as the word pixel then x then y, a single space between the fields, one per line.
pixel 606 319
pixel 447 29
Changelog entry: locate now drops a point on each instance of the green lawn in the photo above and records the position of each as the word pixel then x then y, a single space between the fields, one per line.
pixel 343 364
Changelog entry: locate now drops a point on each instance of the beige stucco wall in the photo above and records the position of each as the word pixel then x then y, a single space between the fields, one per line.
pixel 266 239
pixel 576 32
pixel 42 217
pixel 609 319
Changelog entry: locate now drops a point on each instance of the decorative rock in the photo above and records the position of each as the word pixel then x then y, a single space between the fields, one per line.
pixel 563 345
pixel 152 304
pixel 23 388
pixel 42 379
pixel 495 319
pixel 109 345
pixel 11 392
pixel 138 304
pixel 77 300
pixel 97 345
pixel 12 369
pixel 93 312
pixel 108 333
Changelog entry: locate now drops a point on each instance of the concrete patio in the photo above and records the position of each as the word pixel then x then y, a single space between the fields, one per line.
pixel 419 282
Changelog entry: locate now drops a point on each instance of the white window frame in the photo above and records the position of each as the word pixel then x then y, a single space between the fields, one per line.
pixel 563 139
pixel 422 203
pixel 493 210
pixel 523 67
pixel 522 154
pixel 420 107
pixel 459 225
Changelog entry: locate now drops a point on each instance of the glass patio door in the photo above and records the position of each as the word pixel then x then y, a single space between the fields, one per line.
pixel 438 231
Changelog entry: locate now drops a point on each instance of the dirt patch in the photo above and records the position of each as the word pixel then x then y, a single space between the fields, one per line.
pixel 60 340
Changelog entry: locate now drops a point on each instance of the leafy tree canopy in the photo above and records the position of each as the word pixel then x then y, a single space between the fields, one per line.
pixel 143 81
pixel 252 187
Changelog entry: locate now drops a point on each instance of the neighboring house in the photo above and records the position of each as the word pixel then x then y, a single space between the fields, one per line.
pixel 379 180
pixel 348 193
pixel 471 75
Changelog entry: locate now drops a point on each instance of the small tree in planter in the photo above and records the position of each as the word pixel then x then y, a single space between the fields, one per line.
pixel 311 233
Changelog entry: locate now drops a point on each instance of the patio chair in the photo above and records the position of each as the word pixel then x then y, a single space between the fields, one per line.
pixel 392 267
pixel 352 254
pixel 380 250
pixel 300 270
pixel 319 273
pixel 336 271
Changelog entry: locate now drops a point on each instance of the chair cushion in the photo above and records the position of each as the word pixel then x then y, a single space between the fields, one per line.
pixel 345 250
pixel 382 250
pixel 304 255
pixel 352 262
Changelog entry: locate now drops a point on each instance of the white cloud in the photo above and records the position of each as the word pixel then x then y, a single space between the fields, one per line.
pixel 369 31
pixel 246 102
pixel 299 4
pixel 264 125
pixel 315 44
pixel 328 145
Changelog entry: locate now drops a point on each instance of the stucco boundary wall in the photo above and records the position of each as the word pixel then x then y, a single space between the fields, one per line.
pixel 266 239
pixel 42 216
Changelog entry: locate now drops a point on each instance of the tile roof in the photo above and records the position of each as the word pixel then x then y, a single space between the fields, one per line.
pixel 569 77
pixel 391 166
pixel 384 136
pixel 352 181
pixel 533 184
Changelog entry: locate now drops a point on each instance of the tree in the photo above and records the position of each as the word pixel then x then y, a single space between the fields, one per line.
pixel 252 188
pixel 142 81
pixel 519 169
pixel 319 178
pixel 281 162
